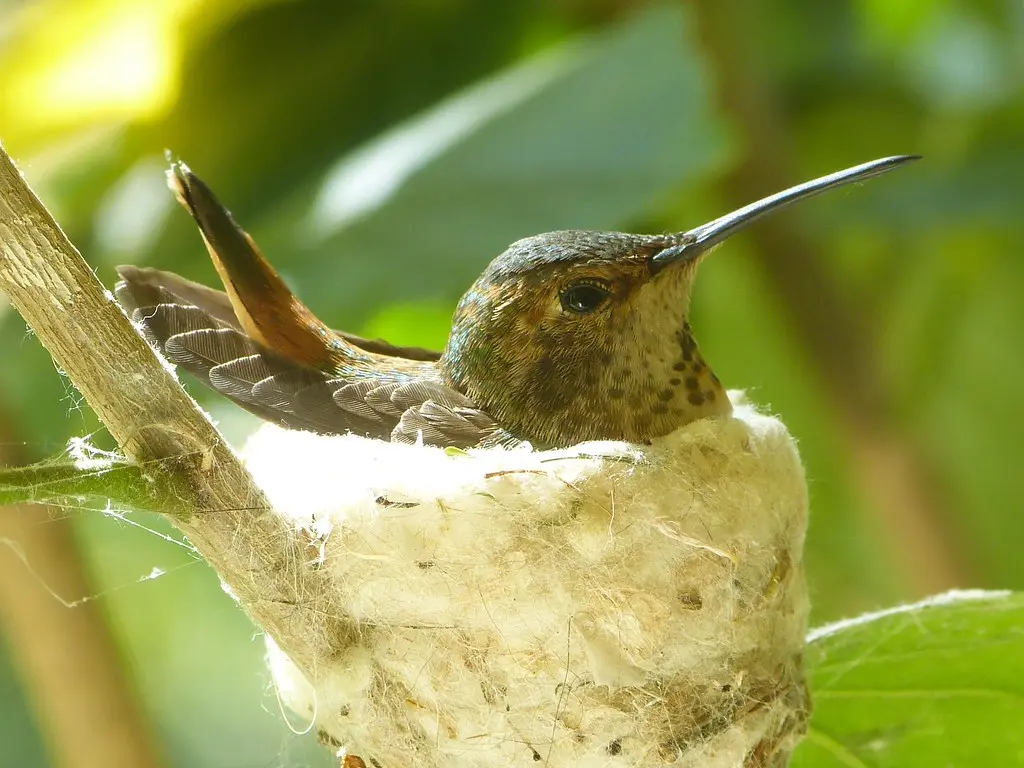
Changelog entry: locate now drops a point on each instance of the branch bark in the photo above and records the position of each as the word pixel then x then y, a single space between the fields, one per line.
pixel 200 483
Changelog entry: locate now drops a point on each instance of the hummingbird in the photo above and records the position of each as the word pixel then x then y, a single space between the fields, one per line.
pixel 566 337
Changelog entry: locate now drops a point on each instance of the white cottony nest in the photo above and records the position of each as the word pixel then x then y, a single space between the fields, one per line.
pixel 606 605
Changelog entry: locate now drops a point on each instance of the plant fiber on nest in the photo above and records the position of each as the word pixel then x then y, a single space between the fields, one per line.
pixel 605 605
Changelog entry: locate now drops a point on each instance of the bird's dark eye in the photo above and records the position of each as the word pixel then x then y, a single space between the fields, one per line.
pixel 584 298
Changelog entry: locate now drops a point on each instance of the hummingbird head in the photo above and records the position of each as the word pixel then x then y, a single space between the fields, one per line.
pixel 580 335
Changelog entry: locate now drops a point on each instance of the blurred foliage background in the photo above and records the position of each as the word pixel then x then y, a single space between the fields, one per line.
pixel 383 153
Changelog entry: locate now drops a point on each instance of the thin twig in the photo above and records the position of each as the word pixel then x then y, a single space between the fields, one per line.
pixel 66 659
pixel 126 485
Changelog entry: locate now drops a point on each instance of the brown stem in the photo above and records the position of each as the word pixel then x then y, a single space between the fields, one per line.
pixel 899 488
pixel 214 500
pixel 64 656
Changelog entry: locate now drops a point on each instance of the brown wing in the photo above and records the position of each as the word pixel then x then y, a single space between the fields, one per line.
pixel 425 410
pixel 194 327
pixel 217 304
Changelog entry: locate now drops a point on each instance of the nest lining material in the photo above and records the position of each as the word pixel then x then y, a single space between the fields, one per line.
pixel 605 605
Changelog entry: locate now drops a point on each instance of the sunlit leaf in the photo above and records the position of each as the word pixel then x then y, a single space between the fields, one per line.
pixel 937 683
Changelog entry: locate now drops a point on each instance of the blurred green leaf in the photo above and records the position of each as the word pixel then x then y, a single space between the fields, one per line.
pixel 422 324
pixel 937 683
pixel 895 22
pixel 744 336
pixel 590 135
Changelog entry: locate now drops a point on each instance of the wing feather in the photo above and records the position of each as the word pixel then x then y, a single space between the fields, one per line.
pixel 193 327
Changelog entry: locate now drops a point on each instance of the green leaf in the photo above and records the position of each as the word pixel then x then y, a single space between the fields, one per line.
pixel 936 683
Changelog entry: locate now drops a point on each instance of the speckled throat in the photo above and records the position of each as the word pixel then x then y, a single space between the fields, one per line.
pixel 642 380
pixel 630 394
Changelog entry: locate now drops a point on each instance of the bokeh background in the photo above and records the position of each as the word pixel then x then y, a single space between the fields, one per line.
pixel 383 153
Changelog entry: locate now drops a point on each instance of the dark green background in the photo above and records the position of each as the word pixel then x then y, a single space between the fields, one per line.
pixel 383 153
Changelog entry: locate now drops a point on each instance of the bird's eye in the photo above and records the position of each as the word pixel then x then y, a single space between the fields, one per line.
pixel 584 297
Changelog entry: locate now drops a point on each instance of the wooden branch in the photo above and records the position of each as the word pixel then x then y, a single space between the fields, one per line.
pixel 204 489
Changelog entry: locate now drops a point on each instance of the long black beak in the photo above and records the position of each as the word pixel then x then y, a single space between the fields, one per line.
pixel 697 241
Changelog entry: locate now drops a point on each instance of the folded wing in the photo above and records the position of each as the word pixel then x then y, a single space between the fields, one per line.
pixel 195 328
